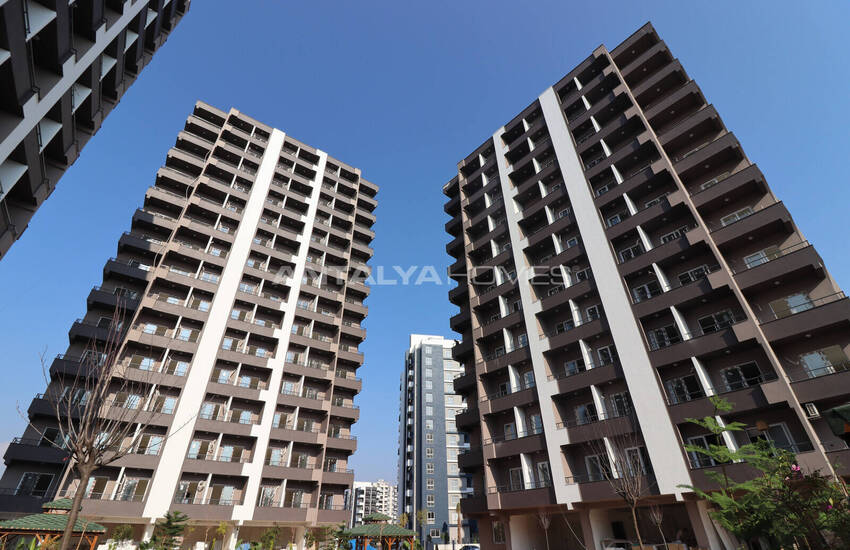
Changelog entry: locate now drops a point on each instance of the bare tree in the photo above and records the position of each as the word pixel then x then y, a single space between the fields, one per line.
pixel 579 540
pixel 656 516
pixel 625 471
pixel 544 518
pixel 94 429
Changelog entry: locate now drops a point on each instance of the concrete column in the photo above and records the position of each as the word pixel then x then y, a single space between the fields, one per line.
pixel 566 276
pixel 644 239
pixel 630 204
pixel 702 374
pixel 527 470
pixel 578 84
pixel 586 102
pixel 299 538
pixel 230 540
pixel 728 437
pixel 148 532
pixel 595 527
pixel 519 418
pixel 618 177
pixel 681 323
pixel 709 534
pixel 576 313
pixel 605 148
pixel 586 354
pixel 513 378
pixel 662 277
pixel 598 401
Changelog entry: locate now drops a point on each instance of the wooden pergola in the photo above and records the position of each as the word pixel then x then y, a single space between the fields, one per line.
pixel 378 530
pixel 48 527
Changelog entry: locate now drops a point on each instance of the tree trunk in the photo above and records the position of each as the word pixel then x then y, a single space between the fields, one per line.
pixel 85 473
pixel 637 529
pixel 546 532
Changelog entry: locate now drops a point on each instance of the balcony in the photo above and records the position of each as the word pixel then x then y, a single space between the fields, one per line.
pixel 770 219
pixel 598 375
pixel 469 417
pixel 693 164
pixel 535 495
pixel 747 395
pixel 702 343
pixel 471 459
pixel 825 383
pixel 798 261
pixel 515 397
pixel 713 194
pixel 504 446
pixel 817 314
pixel 589 327
pixel 497 361
pixel 597 426
pixel 34 450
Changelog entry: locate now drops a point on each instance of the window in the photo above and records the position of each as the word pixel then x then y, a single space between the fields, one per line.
pixel 654 201
pixel 630 252
pixel 735 216
pixel 34 484
pixel 498 532
pixel 693 275
pixel 673 235
pixel 715 321
pixel 621 404
pixel 429 385
pixel 429 397
pixel 790 305
pixel 571 242
pixel 528 379
pixel 452 469
pixel 594 312
pixel 429 452
pixel 429 410
pixel 683 389
pixel 636 460
pixel 429 437
pixel 823 361
pixel 429 467
pixel 761 257
pixel 741 376
pixel 606 355
pixel 429 372
pixel 429 501
pixel 515 482
pixel 544 476
pixel 778 434
pixel 646 291
pixel 699 460
pixel 597 467
pixel 435 533
pixel 510 431
pixel 522 340
pixel 429 483
pixel 585 414
pixel 615 219
pixel 663 337
pixel 536 424
pixel 574 366
pixel 429 361
pixel 454 484
pixel 429 424
pixel 432 517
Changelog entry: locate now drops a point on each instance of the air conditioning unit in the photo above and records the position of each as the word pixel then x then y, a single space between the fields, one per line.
pixel 811 410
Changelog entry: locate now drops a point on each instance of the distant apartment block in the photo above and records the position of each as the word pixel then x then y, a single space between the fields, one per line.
pixel 63 68
pixel 243 278
pixel 429 440
pixel 373 497
pixel 619 259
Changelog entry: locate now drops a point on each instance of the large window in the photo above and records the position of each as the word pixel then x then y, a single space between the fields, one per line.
pixel 429 501
pixel 498 532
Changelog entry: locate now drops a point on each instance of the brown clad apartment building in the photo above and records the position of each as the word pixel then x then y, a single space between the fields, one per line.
pixel 243 277
pixel 625 261
pixel 64 65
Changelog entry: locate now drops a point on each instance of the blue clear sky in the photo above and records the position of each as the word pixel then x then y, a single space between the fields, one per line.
pixel 404 90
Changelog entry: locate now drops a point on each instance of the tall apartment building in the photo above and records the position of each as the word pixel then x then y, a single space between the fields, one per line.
pixel 626 260
pixel 373 497
pixel 243 275
pixel 63 67
pixel 429 441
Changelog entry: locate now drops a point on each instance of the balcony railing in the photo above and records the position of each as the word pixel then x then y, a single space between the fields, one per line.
pixel 570 324
pixel 513 436
pixel 825 370
pixel 516 487
pixel 579 367
pixel 772 256
pixel 593 418
pixel 508 391
pixel 806 305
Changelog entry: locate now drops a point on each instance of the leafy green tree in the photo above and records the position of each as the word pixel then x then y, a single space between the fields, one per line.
pixel 168 530
pixel 783 504
pixel 269 537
